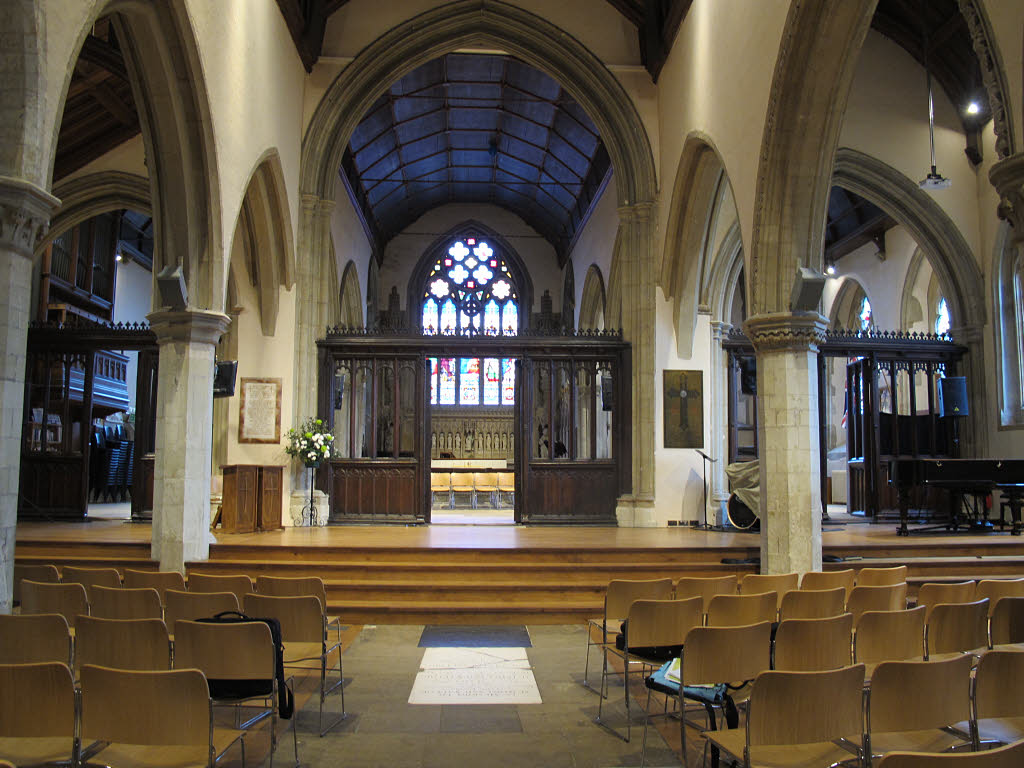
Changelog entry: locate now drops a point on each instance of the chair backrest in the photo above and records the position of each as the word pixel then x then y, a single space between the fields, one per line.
pixel 161 581
pixel 662 622
pixel 242 651
pixel 919 695
pixel 506 481
pixel 996 589
pixel 740 610
pixel 705 587
pixel 145 707
pixel 889 636
pixel 38 701
pixel 34 638
pixel 622 593
pixel 779 583
pixel 1010 756
pixel 302 620
pixel 90 577
pixel 122 643
pixel 1007 622
pixel 463 481
pixel 812 603
pixel 726 654
pixel 812 645
pixel 829 580
pixel 440 481
pixel 933 593
pixel 786 707
pixel 239 583
pixel 69 600
pixel 196 605
pixel 485 481
pixel 999 685
pixel 881 577
pixel 45 574
pixel 120 603
pixel 293 586
pixel 885 597
pixel 956 627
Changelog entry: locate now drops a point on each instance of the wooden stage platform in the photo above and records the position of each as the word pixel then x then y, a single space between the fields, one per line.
pixel 486 574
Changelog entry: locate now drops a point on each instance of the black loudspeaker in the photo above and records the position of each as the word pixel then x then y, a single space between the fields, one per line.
pixel 224 378
pixel 170 282
pixel 953 396
pixel 808 285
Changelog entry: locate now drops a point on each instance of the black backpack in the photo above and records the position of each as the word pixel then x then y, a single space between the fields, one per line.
pixel 240 689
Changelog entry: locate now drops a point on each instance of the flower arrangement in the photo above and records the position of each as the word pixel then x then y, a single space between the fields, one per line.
pixel 309 443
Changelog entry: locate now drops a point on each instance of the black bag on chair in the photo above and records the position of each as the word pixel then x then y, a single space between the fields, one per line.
pixel 241 689
pixel 653 652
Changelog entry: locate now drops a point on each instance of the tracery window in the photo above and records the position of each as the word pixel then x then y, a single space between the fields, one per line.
pixel 470 292
pixel 942 320
pixel 864 314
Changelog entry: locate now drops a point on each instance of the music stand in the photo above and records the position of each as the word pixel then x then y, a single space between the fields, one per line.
pixel 704 473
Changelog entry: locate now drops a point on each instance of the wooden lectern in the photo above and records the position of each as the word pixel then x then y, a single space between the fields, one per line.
pixel 252 498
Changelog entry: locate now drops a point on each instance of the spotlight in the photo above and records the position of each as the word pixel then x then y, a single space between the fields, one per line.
pixel 830 270
pixel 973 108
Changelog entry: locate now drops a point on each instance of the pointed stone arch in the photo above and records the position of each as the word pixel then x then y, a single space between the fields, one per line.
pixel 592 301
pixel 264 226
pixel 351 302
pixel 845 305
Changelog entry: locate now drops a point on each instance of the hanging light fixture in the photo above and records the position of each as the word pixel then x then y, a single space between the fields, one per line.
pixel 934 179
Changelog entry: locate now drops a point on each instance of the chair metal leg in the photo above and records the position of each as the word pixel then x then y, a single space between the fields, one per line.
pixel 324 691
pixel 586 665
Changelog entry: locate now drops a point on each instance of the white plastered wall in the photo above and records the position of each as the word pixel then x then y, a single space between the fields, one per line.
pixel 350 244
pixel 594 245
pixel 132 298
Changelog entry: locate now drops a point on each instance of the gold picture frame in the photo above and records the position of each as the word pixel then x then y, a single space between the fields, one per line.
pixel 259 411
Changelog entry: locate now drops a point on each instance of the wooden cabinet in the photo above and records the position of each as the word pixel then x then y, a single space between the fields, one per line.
pixel 251 498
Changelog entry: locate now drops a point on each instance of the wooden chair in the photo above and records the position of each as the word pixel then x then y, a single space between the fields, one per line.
pixel 37 714
pixel 829 580
pixel 812 603
pixel 933 593
pixel 161 581
pixel 1006 625
pixel 996 589
pixel 733 655
pixel 814 645
pixel 787 723
pixel 90 577
pixel 187 606
pixel 955 628
pixel 304 632
pixel 122 643
pixel 44 574
pixel 242 651
pixel 298 586
pixel 779 583
pixel 998 711
pixel 1011 756
pixel 741 610
pixel 618 597
pixel 487 483
pixel 650 624
pixel 507 485
pixel 888 636
pixel 138 718
pixel 120 603
pixel 705 587
pixel 886 597
pixel 912 704
pixel 69 600
pixel 239 583
pixel 881 577
pixel 34 638
pixel 462 482
pixel 441 482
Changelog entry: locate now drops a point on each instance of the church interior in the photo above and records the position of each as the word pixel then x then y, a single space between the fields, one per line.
pixel 469 308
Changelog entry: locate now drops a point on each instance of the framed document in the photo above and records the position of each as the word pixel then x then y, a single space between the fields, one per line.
pixel 683 394
pixel 259 412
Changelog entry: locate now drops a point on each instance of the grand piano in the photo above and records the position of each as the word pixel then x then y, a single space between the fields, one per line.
pixel 961 477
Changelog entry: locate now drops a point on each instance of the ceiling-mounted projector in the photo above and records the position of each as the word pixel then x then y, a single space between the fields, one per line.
pixel 934 180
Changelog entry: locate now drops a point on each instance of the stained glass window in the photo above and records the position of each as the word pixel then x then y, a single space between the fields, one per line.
pixel 430 317
pixel 446 381
pixel 469 381
pixel 510 319
pixel 508 381
pixel 448 318
pixel 942 319
pixel 865 314
pixel 492 381
pixel 491 319
pixel 433 380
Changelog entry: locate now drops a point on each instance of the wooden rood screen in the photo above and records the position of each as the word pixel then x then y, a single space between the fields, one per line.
pixel 570 410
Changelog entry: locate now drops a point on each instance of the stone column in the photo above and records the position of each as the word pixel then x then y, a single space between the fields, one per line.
pixel 24 217
pixel 184 434
pixel 718 443
pixel 312 297
pixel 786 345
pixel 638 314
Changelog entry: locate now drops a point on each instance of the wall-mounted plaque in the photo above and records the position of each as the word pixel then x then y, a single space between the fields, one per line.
pixel 683 395
pixel 259 413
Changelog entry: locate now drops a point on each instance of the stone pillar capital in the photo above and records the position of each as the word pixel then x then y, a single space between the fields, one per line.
pixel 720 329
pixel 639 212
pixel 1007 176
pixel 25 211
pixel 189 325
pixel 792 331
